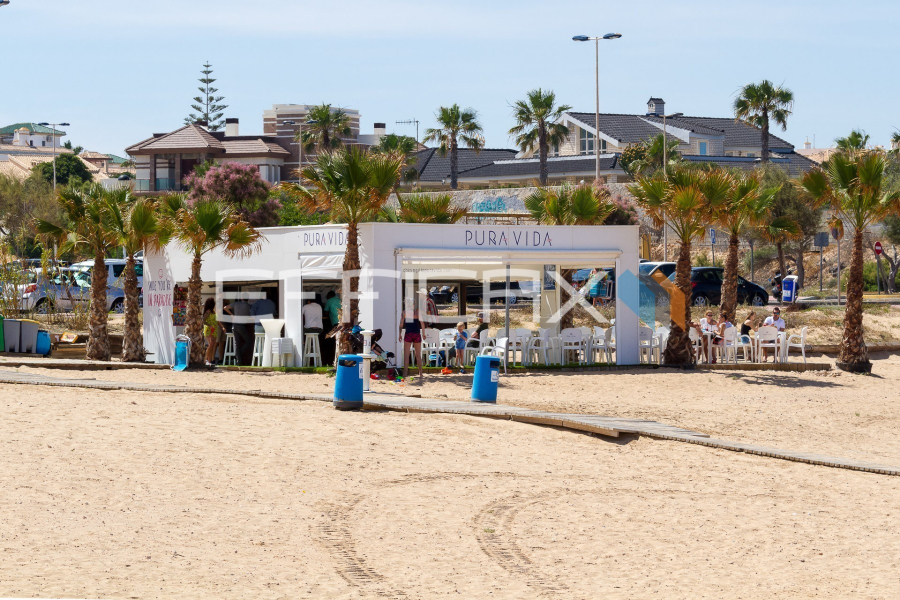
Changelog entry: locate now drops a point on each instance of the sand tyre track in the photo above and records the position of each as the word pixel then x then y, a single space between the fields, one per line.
pixel 493 529
pixel 333 532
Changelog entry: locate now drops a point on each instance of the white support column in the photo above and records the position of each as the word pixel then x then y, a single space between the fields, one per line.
pixel 627 304
pixel 291 304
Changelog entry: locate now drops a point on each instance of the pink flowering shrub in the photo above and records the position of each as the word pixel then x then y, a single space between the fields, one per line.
pixel 242 186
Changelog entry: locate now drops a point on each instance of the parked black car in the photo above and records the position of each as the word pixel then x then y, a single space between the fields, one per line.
pixel 707 288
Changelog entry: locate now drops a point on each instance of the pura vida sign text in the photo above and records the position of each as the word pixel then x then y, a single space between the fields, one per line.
pixel 509 238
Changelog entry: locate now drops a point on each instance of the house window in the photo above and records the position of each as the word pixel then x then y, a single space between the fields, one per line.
pixel 554 149
pixel 586 142
pixel 702 148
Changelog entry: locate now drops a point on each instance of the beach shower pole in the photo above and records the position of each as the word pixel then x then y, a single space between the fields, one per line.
pixel 508 330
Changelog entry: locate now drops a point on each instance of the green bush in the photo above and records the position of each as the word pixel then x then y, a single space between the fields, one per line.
pixel 870 281
pixel 704 261
pixel 761 256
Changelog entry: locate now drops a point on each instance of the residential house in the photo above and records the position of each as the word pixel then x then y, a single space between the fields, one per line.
pixel 25 145
pixel 163 160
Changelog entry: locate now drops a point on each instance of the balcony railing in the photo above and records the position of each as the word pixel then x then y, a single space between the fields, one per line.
pixel 163 184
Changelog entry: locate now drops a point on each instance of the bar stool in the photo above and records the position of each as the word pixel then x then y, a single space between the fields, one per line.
pixel 229 357
pixel 259 346
pixel 311 350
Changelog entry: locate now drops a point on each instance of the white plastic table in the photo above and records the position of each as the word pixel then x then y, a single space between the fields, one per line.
pixel 272 328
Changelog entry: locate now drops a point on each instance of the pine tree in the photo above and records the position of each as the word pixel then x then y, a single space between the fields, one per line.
pixel 207 105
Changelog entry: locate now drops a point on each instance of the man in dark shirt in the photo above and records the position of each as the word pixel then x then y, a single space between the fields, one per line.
pixel 243 330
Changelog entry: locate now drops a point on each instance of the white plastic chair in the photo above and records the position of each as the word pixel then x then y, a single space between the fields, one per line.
pixel 745 343
pixel 538 348
pixel 645 339
pixel 796 341
pixel 728 349
pixel 598 344
pixel 696 342
pixel 430 343
pixel 660 338
pixel 499 349
pixel 767 337
pixel 519 343
pixel 573 341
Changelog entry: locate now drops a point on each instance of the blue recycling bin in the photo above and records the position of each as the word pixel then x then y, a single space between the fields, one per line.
pixel 182 353
pixel 348 384
pixel 487 378
pixel 43 343
pixel 789 289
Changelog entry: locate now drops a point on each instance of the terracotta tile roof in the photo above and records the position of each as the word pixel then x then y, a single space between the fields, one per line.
pixel 92 154
pixel 189 137
pixel 252 146
pixel 11 169
pixel 31 150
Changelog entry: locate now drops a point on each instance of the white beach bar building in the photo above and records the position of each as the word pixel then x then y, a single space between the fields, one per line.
pixel 397 259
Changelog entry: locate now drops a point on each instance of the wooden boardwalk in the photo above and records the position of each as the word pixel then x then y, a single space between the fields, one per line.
pixel 595 424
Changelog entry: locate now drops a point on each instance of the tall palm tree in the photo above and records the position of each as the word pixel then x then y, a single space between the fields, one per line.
pixel 653 155
pixel 352 186
pixel 201 227
pixel 404 146
pixel 138 227
pixel 325 129
pixel 759 103
pixel 855 142
pixel 536 125
pixel 859 194
pixel 455 125
pixel 685 201
pixel 581 205
pixel 428 208
pixel 86 211
pixel 746 206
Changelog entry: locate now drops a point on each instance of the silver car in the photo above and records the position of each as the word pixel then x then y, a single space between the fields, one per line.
pixel 68 289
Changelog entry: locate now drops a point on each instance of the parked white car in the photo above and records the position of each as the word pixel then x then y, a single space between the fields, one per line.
pixel 115 268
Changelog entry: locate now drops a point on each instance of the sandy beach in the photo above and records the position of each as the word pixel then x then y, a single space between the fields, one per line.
pixel 130 495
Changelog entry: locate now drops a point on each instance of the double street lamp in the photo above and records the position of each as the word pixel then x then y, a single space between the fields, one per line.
pixel 53 135
pixel 596 40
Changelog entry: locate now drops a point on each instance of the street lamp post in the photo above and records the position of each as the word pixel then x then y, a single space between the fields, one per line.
pixel 665 167
pixel 53 135
pixel 596 40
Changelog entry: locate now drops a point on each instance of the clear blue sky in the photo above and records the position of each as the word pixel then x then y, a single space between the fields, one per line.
pixel 120 70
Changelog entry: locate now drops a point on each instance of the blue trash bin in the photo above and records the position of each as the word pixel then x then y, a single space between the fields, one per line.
pixel 43 343
pixel 487 378
pixel 182 353
pixel 348 384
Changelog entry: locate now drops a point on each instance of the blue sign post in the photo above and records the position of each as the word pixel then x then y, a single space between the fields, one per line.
pixel 712 245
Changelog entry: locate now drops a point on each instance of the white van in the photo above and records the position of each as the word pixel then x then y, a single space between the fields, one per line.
pixel 115 268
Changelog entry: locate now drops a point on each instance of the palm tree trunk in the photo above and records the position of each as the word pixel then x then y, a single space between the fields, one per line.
pixel 729 280
pixel 765 137
pixel 98 328
pixel 194 318
pixel 853 344
pixel 678 348
pixel 543 148
pixel 567 319
pixel 351 265
pixel 133 345
pixel 782 268
pixel 454 163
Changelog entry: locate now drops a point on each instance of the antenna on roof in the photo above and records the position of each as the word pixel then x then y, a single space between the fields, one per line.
pixel 410 122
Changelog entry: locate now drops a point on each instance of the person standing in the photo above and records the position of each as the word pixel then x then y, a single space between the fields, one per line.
pixel 243 330
pixel 212 330
pixel 262 309
pixel 411 335
pixel 227 327
pixel 333 314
